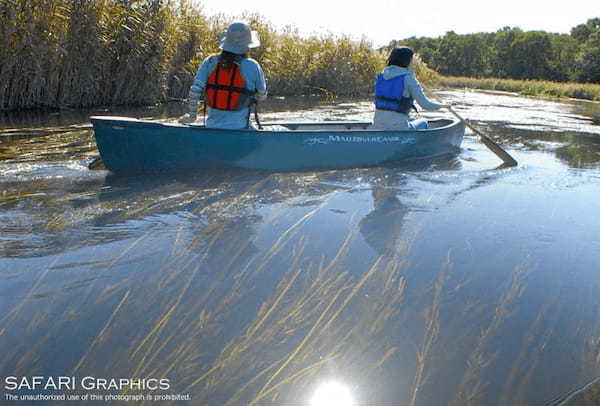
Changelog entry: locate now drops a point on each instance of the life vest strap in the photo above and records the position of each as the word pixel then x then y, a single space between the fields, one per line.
pixel 404 105
pixel 406 111
pixel 230 88
pixel 231 82
pixel 388 99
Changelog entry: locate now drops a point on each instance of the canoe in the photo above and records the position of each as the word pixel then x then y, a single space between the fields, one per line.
pixel 131 145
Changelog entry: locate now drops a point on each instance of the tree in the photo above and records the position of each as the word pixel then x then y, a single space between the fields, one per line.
pixel 530 54
pixel 461 55
pixel 502 52
pixel 562 62
pixel 513 53
pixel 588 59
pixel 582 32
pixel 424 46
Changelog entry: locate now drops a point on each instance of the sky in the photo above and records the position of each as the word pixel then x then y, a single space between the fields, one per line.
pixel 384 20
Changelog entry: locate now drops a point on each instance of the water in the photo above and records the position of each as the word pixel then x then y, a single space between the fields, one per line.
pixel 443 282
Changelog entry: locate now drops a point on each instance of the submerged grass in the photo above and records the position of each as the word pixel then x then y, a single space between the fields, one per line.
pixel 586 91
pixel 232 320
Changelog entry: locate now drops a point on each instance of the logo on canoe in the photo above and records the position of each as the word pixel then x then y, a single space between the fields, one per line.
pixel 316 140
pixel 379 139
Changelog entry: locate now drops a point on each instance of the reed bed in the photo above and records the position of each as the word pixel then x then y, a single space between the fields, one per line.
pixel 80 53
pixel 586 91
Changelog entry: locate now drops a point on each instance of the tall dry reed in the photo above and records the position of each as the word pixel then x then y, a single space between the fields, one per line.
pixel 81 53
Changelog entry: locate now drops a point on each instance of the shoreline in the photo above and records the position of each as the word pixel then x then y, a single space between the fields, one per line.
pixel 528 88
pixel 535 88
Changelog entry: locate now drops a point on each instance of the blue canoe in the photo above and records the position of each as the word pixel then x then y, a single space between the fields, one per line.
pixel 131 145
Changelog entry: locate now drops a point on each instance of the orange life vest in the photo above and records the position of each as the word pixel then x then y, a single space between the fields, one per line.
pixel 225 87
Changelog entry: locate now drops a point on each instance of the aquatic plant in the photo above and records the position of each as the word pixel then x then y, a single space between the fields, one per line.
pixel 183 285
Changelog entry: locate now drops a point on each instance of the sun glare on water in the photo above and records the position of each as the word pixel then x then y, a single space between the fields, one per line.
pixel 332 394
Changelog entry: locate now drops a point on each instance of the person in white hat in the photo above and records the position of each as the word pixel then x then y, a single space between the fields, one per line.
pixel 229 82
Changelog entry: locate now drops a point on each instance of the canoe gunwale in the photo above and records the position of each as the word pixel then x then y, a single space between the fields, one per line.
pixel 295 130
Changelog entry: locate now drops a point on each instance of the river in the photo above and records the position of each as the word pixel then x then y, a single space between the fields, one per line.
pixel 446 282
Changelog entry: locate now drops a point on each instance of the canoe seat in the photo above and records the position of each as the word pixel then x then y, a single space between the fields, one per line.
pixel 440 122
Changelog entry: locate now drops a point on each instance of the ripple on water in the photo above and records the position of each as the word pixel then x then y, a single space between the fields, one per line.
pixel 523 112
pixel 32 171
pixel 448 272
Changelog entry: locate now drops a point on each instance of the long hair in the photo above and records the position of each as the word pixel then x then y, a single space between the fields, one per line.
pixel 227 59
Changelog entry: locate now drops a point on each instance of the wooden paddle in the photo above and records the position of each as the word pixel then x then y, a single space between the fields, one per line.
pixel 488 142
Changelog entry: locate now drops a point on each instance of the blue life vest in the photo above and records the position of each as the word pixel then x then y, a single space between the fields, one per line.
pixel 389 95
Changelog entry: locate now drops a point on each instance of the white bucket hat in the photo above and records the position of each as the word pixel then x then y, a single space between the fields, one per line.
pixel 239 38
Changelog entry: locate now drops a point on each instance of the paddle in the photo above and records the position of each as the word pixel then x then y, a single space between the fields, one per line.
pixel 488 142
pixel 255 102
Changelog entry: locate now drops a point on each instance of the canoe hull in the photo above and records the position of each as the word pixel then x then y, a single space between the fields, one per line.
pixel 129 145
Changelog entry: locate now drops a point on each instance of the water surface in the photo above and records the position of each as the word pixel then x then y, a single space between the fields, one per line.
pixel 436 282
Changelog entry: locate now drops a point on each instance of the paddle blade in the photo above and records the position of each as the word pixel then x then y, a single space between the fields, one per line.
pixel 488 142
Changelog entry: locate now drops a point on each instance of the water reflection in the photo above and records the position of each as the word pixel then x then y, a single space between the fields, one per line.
pixel 332 393
pixel 581 151
pixel 382 227
pixel 435 283
pixel 568 129
pixel 578 150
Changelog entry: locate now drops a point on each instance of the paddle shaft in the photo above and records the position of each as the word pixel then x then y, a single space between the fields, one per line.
pixel 488 142
pixel 255 102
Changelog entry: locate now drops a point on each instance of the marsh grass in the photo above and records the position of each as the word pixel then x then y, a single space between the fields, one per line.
pixel 79 53
pixel 392 326
pixel 586 91
pixel 306 326
pixel 483 356
pixel 431 332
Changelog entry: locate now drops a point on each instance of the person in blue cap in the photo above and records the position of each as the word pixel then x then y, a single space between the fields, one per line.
pixel 229 82
pixel 396 90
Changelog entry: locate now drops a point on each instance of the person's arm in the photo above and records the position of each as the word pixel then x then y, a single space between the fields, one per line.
pixel 261 84
pixel 416 91
pixel 196 92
